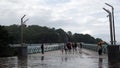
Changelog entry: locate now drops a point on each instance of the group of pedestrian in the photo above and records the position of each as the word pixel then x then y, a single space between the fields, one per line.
pixel 71 47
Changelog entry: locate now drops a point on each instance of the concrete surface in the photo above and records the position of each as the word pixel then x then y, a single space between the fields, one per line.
pixel 57 59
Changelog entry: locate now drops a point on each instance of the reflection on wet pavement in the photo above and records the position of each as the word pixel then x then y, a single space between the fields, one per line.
pixel 22 62
pixel 42 58
pixel 57 59
pixel 100 62
pixel 9 62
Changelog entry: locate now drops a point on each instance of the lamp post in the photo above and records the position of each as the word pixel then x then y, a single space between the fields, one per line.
pixel 110 20
pixel 113 51
pixel 22 50
pixel 22 23
pixel 114 37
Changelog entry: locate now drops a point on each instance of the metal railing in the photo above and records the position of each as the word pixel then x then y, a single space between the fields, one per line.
pixel 94 47
pixel 37 49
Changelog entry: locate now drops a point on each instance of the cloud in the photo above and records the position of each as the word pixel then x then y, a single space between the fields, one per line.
pixel 80 16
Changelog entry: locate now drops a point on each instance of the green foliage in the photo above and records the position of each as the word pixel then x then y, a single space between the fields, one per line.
pixel 62 35
pixel 98 40
pixel 39 34
pixel 70 36
pixel 3 36
pixel 85 38
pixel 5 50
pixel 14 33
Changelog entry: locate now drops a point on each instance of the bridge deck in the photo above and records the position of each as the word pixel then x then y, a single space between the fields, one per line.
pixel 57 59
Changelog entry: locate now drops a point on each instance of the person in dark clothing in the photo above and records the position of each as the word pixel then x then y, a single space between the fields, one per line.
pixel 100 48
pixel 65 48
pixel 42 48
pixel 69 46
pixel 75 46
pixel 80 47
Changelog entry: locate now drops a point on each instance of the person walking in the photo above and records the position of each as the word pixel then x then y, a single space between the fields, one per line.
pixel 100 48
pixel 80 45
pixel 42 48
pixel 65 48
pixel 69 46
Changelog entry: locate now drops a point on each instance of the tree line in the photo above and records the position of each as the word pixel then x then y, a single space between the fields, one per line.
pixel 43 34
pixel 37 34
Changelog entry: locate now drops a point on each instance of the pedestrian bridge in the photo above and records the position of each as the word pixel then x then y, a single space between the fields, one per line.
pixel 86 57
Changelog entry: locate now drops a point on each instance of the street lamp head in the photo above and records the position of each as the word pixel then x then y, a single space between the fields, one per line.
pixel 109 5
pixel 23 16
pixel 26 20
pixel 107 10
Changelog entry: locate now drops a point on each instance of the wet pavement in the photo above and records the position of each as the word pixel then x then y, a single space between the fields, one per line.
pixel 57 59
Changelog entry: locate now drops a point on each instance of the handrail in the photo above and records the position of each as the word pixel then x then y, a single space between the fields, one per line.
pixel 94 47
pixel 37 49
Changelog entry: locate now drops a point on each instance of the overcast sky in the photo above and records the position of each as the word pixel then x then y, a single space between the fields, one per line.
pixel 77 16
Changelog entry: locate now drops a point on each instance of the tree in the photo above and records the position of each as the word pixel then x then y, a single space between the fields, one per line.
pixel 3 36
pixel 69 33
pixel 5 50
pixel 14 33
pixel 77 38
pixel 40 34
pixel 98 40
pixel 62 35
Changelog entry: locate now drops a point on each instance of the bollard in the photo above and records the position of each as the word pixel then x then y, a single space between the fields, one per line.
pixel 22 52
pixel 113 53
pixel 22 56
